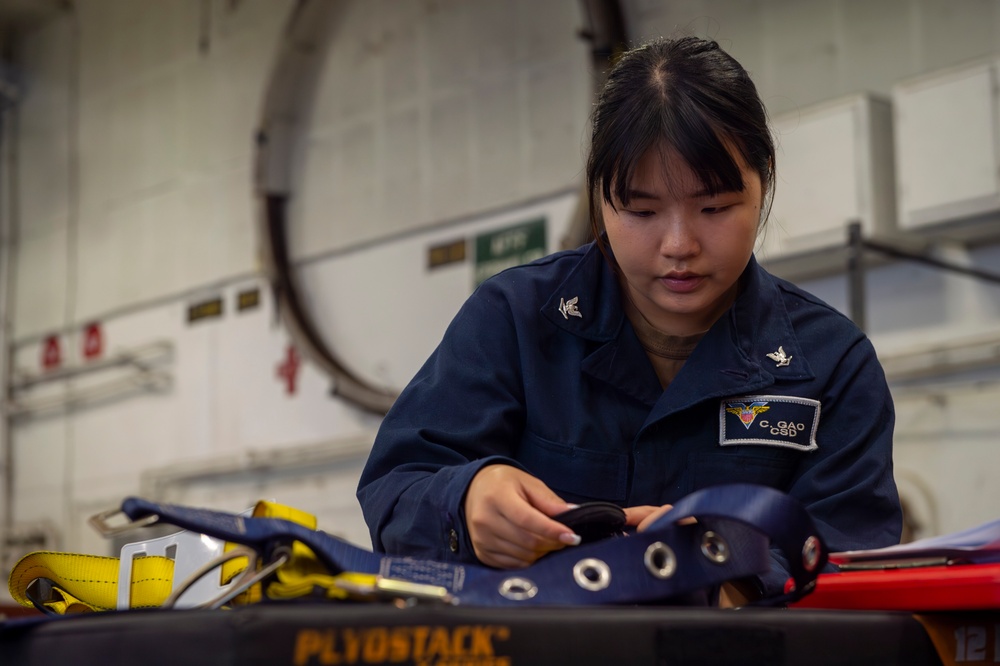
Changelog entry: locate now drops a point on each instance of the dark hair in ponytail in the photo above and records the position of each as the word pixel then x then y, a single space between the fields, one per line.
pixel 691 95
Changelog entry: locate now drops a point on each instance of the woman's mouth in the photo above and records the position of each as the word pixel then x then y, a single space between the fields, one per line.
pixel 682 283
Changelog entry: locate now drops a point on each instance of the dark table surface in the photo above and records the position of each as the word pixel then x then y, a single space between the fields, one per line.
pixel 346 633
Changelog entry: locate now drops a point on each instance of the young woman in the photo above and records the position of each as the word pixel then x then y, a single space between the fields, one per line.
pixel 656 361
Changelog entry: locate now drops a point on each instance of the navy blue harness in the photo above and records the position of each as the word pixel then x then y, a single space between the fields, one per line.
pixel 734 529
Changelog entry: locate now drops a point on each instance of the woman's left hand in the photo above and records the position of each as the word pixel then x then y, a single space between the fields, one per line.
pixel 641 517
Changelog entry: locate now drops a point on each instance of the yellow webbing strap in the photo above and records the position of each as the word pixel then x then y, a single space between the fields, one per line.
pixel 65 603
pixel 90 583
pixel 303 573
pixel 265 509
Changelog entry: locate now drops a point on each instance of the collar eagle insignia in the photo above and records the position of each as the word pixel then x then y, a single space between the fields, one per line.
pixel 568 308
pixel 780 358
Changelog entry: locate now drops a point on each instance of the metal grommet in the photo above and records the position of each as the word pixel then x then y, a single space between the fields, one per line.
pixel 518 589
pixel 592 574
pixel 810 554
pixel 714 547
pixel 660 560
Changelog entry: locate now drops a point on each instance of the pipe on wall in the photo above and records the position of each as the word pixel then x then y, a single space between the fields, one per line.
pixel 8 251
pixel 605 30
pixel 284 120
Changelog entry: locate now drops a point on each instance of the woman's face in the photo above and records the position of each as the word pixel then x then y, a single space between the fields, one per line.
pixel 679 250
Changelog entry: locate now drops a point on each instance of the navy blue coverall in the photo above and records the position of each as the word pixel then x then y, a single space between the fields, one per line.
pixel 782 391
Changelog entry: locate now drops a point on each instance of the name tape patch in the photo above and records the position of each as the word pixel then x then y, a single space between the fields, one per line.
pixel 769 420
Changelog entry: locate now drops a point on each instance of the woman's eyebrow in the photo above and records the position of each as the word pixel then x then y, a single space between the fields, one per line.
pixel 641 194
pixel 706 193
pixel 703 193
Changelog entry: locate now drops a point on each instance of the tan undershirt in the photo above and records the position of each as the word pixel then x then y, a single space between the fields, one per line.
pixel 666 352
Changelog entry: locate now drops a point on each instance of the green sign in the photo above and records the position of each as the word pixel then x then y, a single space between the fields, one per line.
pixel 508 247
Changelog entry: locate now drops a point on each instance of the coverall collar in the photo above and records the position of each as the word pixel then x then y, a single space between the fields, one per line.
pixel 595 285
pixel 735 350
pixel 761 326
pixel 733 357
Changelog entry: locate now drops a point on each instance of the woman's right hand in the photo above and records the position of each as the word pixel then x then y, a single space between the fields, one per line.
pixel 508 515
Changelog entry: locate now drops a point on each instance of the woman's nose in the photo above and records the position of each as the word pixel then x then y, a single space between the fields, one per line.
pixel 678 239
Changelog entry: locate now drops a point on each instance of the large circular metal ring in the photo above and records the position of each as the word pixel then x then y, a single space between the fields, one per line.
pixel 810 553
pixel 592 574
pixel 660 560
pixel 518 589
pixel 714 547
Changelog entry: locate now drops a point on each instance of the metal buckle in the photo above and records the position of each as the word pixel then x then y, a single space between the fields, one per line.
pixel 40 592
pixel 403 589
pixel 100 522
pixel 189 551
pixel 249 577
pixel 194 555
pixel 398 590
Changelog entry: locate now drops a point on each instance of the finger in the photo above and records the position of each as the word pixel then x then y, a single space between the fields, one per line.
pixel 505 523
pixel 653 517
pixel 502 561
pixel 506 554
pixel 500 535
pixel 530 515
pixel 517 521
pixel 544 499
pixel 539 532
pixel 507 546
pixel 635 514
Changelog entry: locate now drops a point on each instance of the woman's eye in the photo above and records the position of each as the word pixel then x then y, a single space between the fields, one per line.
pixel 715 210
pixel 640 213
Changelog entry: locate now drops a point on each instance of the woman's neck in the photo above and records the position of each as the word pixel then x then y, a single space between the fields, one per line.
pixel 677 324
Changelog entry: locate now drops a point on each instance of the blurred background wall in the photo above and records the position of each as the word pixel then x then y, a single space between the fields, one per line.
pixel 145 350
